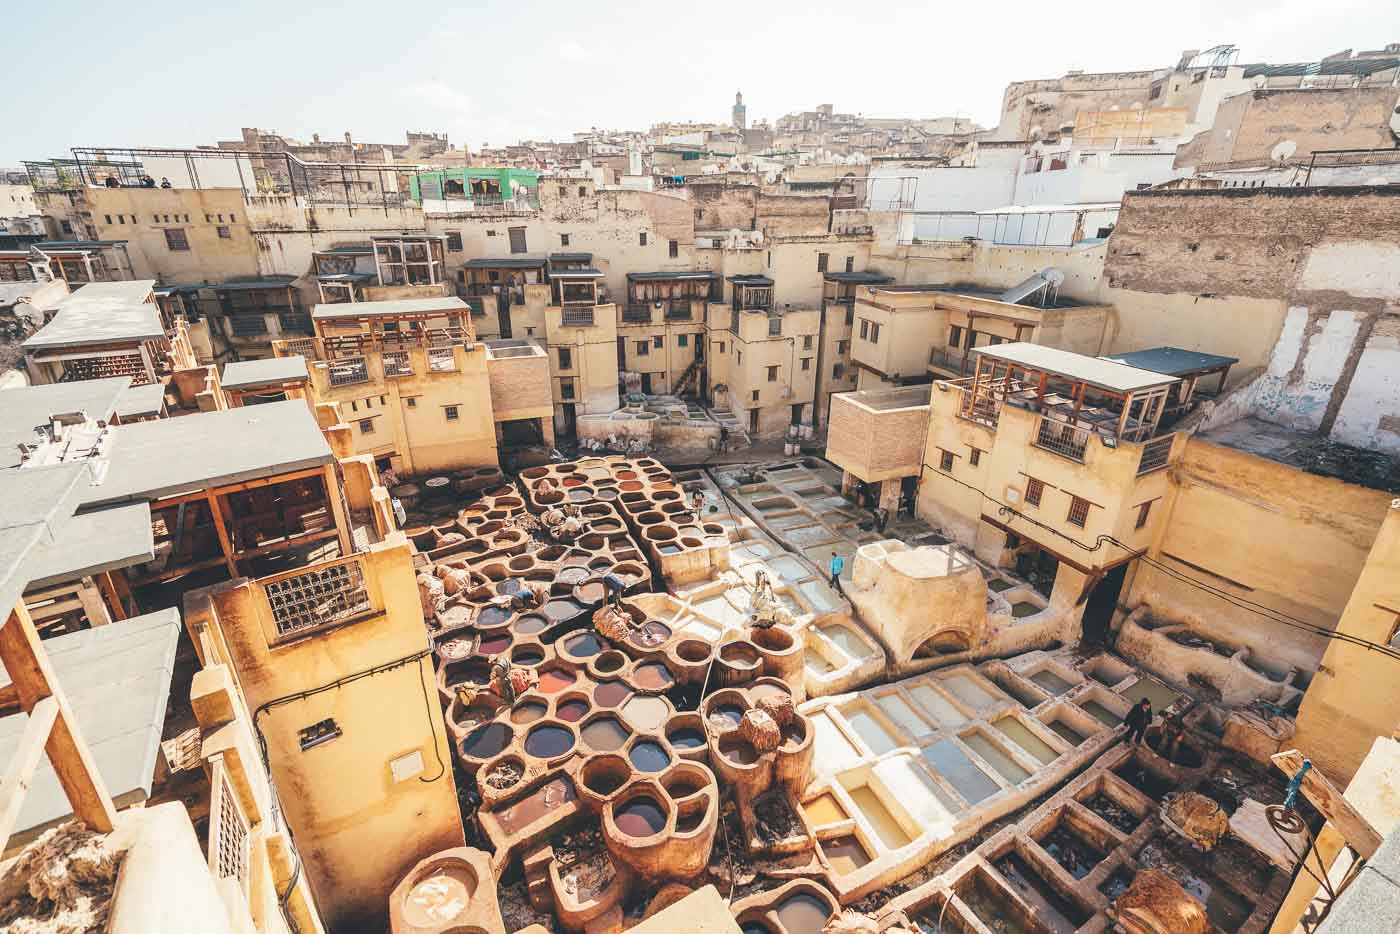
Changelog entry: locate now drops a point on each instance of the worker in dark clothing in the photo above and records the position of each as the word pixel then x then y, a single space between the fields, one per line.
pixel 1138 720
pixel 615 586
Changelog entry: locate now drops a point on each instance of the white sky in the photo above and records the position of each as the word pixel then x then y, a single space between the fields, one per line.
pixel 180 74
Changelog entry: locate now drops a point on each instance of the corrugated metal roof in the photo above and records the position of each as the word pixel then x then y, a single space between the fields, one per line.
pixel 1104 374
pixel 1173 361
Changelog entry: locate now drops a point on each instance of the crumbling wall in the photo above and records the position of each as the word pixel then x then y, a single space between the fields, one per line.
pixel 724 207
pixel 1269 126
pixel 793 215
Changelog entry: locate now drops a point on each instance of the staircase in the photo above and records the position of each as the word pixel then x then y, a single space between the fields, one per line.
pixel 689 379
pixel 738 434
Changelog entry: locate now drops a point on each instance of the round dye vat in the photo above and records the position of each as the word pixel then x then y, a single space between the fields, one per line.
pixel 582 644
pixel 454 649
pixel 686 738
pixel 803 914
pixel 742 753
pixel 754 927
pixel 591 593
pixel 486 740
pixel 653 676
pixel 571 710
pixel 493 645
pixel 527 656
pixel 571 576
pixel 640 817
pixel 729 712
pixel 611 693
pixel 528 712
pixel 562 609
pixel 760 691
pixel 580 496
pixel 509 586
pixel 652 633
pixel 649 757
pixel 607 494
pixel 493 616
pixel 529 625
pixel 646 713
pixel 605 734
pixel 554 681
pixel 548 742
pixel 439 898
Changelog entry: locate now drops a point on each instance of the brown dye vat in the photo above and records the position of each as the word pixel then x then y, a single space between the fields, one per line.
pixel 528 711
pixel 572 710
pixel 738 750
pixel 574 481
pixel 651 634
pixel 611 693
pixel 471 671
pixel 590 593
pixel 487 740
pixel 845 854
pixel 641 816
pixel 562 608
pixel 526 656
pixel 555 680
pixel 767 688
pixel 605 734
pixel 548 741
pixel 439 897
pixel 738 654
pixel 609 662
pixel 456 649
pixel 652 676
pixel 552 794
pixel 603 775
pixel 494 644
pixel 581 644
pixel 686 738
pixel 522 563
pixel 626 475
pixel 573 575
pixel 803 913
pixel 630 486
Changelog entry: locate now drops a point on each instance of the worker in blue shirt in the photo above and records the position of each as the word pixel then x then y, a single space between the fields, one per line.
pixel 838 565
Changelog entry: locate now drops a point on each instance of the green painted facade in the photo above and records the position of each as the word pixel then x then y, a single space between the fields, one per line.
pixel 431 184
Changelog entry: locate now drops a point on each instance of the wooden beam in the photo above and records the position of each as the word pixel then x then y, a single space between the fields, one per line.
pixel 34 680
pixel 1354 828
pixel 114 598
pixel 216 510
pixel 23 764
pixel 342 524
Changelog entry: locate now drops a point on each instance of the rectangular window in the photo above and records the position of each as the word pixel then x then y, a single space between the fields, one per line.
pixel 225 233
pixel 517 239
pixel 454 241
pixel 209 218
pixel 822 260
pixel 682 340
pixel 221 218
pixel 806 342
pixel 175 239
pixel 975 457
pixel 721 346
pixel 772 374
pixel 642 238
pixel 806 363
pixel 233 218
pixel 955 336
pixel 449 412
pixel 411 402
pixel 658 342
pixel 738 356
pixel 673 249
pixel 836 371
pixel 850 264
pixel 354 406
pixel 566 388
pixel 843 347
pixel 68 226
pixel 775 325
pixel 582 191
pixel 643 348
pixel 997 339
pixel 1078 511
pixel 1143 511
pixel 155 219
pixel 945 461
pixel 1034 491
pixel 566 358
pixel 563 192
pixel 121 219
pixel 864 329
pixel 755 395
pixel 366 426
pixel 874 333
pixel 109 218
pixel 563 239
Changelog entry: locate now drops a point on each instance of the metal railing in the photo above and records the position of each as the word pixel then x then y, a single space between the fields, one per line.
pixel 985 411
pixel 294 321
pixel 441 360
pixel 637 313
pixel 397 363
pixel 1062 438
pixel 577 317
pixel 321 596
pixel 305 346
pixel 347 371
pixel 1155 454
pixel 228 829
pixel 950 359
pixel 247 325
pixel 678 310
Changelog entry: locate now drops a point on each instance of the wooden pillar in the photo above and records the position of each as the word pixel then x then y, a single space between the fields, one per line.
pixel 217 512
pixel 93 606
pixel 1123 417
pixel 337 505
pixel 114 598
pixel 53 726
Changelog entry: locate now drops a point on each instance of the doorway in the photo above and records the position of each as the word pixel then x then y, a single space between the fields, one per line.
pixel 753 421
pixel 646 383
pixel 570 426
pixel 1103 600
pixel 797 414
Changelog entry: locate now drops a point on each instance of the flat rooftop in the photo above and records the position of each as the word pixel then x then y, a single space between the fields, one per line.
pixel 39 502
pixel 664 276
pixel 985 293
pixel 93 542
pixel 1096 372
pixel 170 456
pixel 141 401
pixel 133 290
pixel 508 348
pixel 117 680
pixel 1173 361
pixel 399 307
pixel 505 262
pixel 1308 452
pixel 98 321
pixel 884 400
pixel 254 283
pixel 857 278
pixel 271 371
pixel 22 410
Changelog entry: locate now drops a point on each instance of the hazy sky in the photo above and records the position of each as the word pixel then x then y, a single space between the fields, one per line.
pixel 161 73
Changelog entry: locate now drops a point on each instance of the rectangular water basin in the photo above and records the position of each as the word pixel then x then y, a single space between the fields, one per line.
pixel 834 752
pixel 947 758
pixel 903 716
pixel 1021 735
pixel 870 730
pixel 846 640
pixel 1051 682
pixel 938 707
pixel 968 691
pixel 996 757
pixel 1055 911
pixel 887 829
